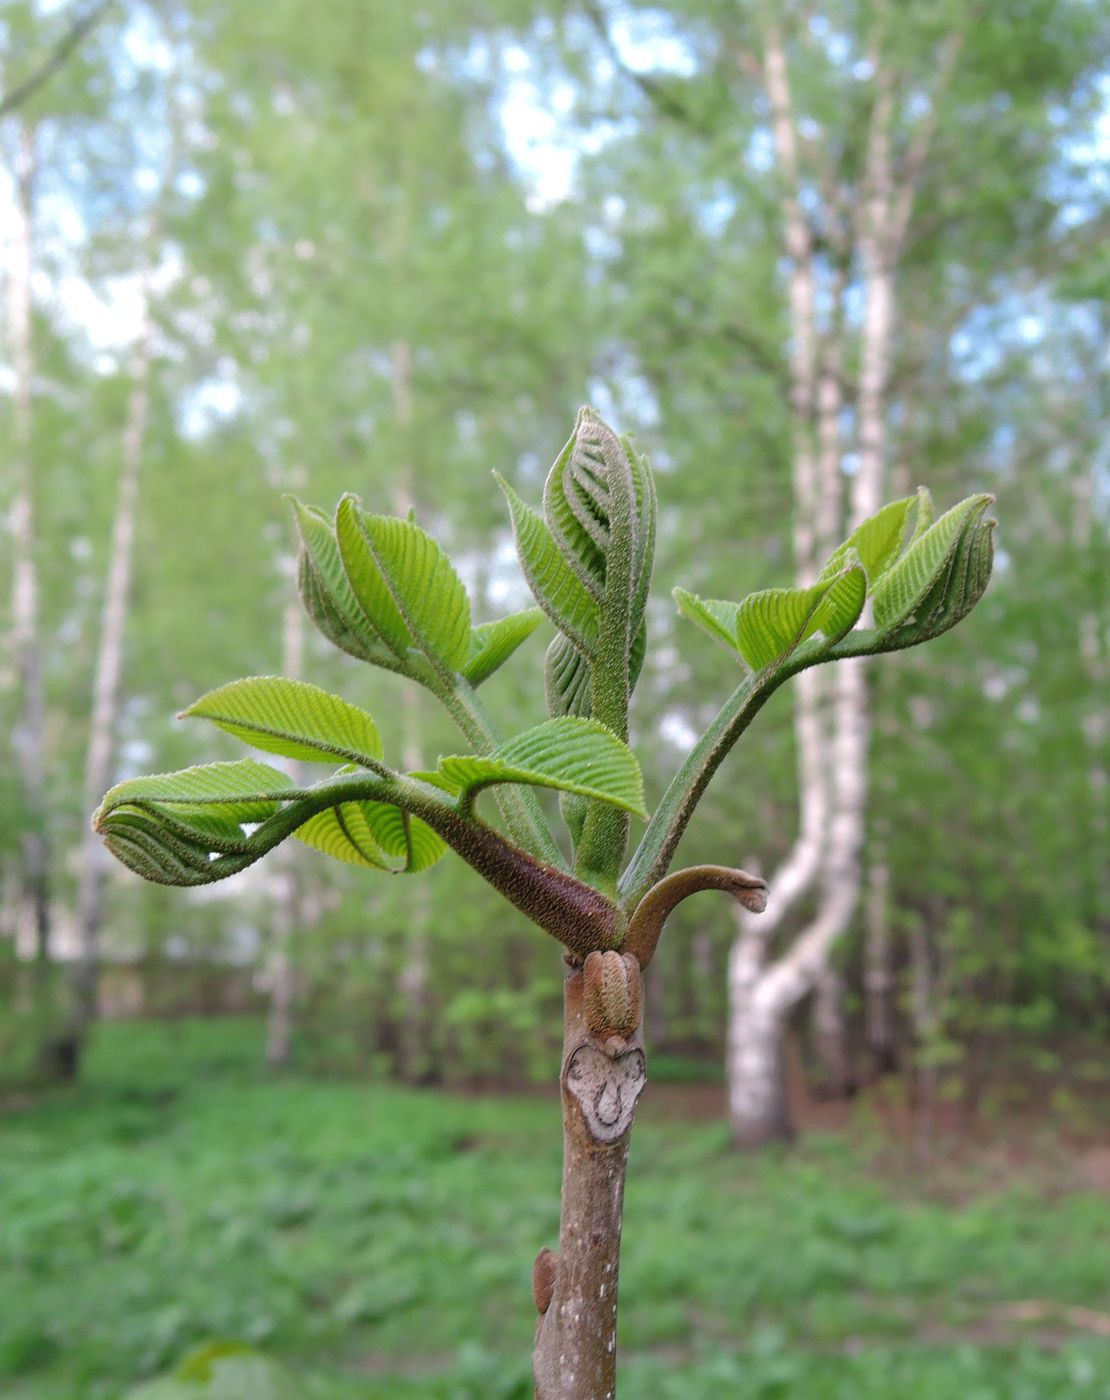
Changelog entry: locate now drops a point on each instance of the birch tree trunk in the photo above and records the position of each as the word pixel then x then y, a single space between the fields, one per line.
pixel 879 971
pixel 26 639
pixel 759 1110
pixel 832 769
pixel 100 755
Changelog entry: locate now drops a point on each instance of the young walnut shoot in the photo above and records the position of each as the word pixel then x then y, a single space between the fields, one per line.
pixel 381 589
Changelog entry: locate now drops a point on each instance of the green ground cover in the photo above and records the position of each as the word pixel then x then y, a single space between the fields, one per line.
pixel 377 1243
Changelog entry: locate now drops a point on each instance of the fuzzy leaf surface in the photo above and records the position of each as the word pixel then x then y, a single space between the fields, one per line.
pixel 907 582
pixel 326 592
pixel 423 584
pixel 570 755
pixel 554 584
pixel 493 643
pixel 343 833
pixel 770 624
pixel 292 718
pixel 716 616
pixel 877 541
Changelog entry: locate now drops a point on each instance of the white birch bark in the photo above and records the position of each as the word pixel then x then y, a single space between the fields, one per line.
pixel 833 776
pixel 25 632
pixel 100 754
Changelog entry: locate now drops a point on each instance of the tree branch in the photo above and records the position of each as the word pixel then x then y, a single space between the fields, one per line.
pixel 78 30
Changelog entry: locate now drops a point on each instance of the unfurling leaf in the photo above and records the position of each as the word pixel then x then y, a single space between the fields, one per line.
pixel 326 591
pixel 713 615
pixel 907 582
pixel 570 755
pixel 405 585
pixel 557 588
pixel 768 626
pixel 187 828
pixel 877 542
pixel 493 643
pixel 367 833
pixel 292 718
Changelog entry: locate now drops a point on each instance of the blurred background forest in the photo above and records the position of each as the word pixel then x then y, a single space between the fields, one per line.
pixel 802 252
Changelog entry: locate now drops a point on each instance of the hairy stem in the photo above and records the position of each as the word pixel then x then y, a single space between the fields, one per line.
pixel 518 805
pixel 575 1355
pixel 660 841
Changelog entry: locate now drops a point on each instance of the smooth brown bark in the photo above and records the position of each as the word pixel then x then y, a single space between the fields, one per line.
pixel 575 1356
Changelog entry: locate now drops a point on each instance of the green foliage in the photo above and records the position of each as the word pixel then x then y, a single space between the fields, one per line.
pixel 291 718
pixel 570 755
pixel 381 588
pixel 493 643
pixel 405 585
pixel 184 1195
pixel 917 590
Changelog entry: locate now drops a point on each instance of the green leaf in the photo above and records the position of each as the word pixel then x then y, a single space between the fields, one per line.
pixel 343 833
pixel 423 585
pixel 248 790
pixel 839 610
pixel 291 718
pixel 555 586
pixel 772 623
pixel 366 581
pixel 186 828
pixel 964 582
pixel 568 680
pixel 493 643
pixel 906 584
pixel 926 513
pixel 575 521
pixel 712 615
pixel 567 754
pixel 877 541
pixel 326 591
pixel 402 835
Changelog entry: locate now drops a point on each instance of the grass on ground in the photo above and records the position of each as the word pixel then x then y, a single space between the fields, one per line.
pixel 377 1242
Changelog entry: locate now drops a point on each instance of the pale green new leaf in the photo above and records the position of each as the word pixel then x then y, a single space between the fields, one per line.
pixel 291 718
pixel 772 623
pixel 716 616
pixel 367 584
pixel 839 610
pixel 402 835
pixel 905 585
pixel 555 586
pixel 574 522
pixel 926 513
pixel 186 828
pixel 493 643
pixel 877 541
pixel 343 833
pixel 424 586
pixel 249 789
pixel 567 754
pixel 568 680
pixel 326 591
